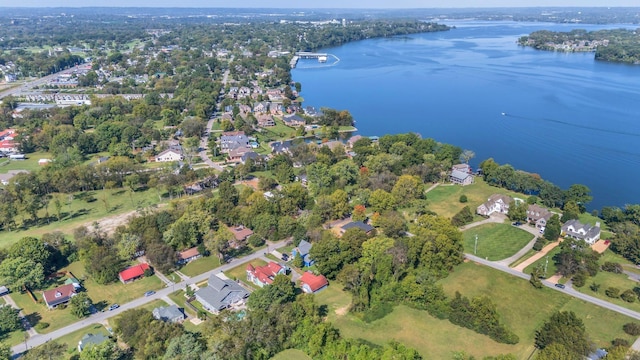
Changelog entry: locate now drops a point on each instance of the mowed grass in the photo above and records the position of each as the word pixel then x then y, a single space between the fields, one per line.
pixel 521 307
pixel 30 163
pixel 116 292
pixel 542 262
pixel 495 241
pixel 201 265
pixel 71 340
pixel 445 199
pixel 83 208
pixel 291 354
pixel 39 313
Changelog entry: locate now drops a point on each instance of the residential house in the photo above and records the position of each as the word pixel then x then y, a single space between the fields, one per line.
pixel 169 155
pixel 357 225
pixel 496 203
pixel 575 229
pixel 3 290
pixel 221 294
pixel 462 167
pixel 460 177
pixel 6 141
pixel 240 234
pixel 250 155
pixel 264 275
pixel 538 215
pixel 233 140
pixel 261 107
pixel 303 250
pixel 275 94
pixel 133 272
pixel 244 109
pixel 60 295
pixel 171 313
pixel 293 120
pixel 89 340
pixel 266 120
pixel 352 140
pixel 282 147
pixel 311 283
pixel 237 153
pixel 189 255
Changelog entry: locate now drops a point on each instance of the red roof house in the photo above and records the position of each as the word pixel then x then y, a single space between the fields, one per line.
pixel 59 295
pixel 312 283
pixel 131 273
pixel 264 275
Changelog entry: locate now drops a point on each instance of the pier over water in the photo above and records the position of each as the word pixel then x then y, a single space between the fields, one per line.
pixel 322 57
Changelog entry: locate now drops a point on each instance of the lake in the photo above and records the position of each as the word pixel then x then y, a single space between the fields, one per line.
pixel 567 117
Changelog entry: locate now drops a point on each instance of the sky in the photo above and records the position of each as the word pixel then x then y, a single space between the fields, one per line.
pixel 384 4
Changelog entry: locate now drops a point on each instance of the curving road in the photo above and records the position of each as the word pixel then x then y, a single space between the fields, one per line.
pixel 102 316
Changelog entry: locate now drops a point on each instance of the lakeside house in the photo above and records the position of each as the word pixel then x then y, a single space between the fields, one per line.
pixel 264 275
pixel 293 120
pixel 221 294
pixel 461 174
pixel 133 272
pixel 577 230
pixel 496 203
pixel 538 215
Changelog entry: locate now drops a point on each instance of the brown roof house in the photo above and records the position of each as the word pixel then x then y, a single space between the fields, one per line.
pixel 496 203
pixel 188 255
pixel 538 215
pixel 240 233
pixel 60 295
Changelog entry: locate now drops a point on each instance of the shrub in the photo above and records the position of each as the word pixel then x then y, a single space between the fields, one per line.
pixel 612 267
pixel 612 292
pixel 41 325
pixel 539 244
pixel 579 279
pixel 628 296
pixel 255 241
pixel 632 328
pixel 594 287
pixel 463 198
pixel 377 311
pixel 620 342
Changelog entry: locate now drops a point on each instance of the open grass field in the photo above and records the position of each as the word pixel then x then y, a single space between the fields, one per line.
pixel 29 164
pixel 116 292
pixel 291 354
pixel 445 199
pixel 522 308
pixel 551 266
pixel 495 241
pixel 82 209
pixel 71 340
pixel 200 266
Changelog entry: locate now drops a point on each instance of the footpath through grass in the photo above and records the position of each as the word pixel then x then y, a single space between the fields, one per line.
pixel 495 241
pixel 291 354
pixel 83 208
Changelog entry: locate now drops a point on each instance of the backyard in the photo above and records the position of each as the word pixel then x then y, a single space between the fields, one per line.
pixel 201 265
pixel 495 241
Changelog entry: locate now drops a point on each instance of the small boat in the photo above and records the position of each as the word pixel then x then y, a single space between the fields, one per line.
pixel 504 114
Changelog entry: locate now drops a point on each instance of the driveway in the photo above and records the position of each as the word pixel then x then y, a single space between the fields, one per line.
pixel 537 256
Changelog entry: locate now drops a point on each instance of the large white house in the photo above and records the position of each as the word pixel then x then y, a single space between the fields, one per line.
pixel 496 203
pixel 586 232
pixel 169 155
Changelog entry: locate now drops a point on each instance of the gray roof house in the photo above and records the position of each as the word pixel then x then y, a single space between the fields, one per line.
pixel 538 215
pixel 577 230
pixel 233 140
pixel 91 340
pixel 358 225
pixel 171 313
pixel 280 147
pixel 303 249
pixel 460 177
pixel 221 294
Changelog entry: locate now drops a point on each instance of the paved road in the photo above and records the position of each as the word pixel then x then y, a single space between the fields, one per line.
pixel 102 316
pixel 204 141
pixel 568 290
pixel 24 88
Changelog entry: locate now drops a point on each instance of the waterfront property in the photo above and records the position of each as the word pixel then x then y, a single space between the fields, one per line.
pixel 461 174
pixel 538 215
pixel 496 203
pixel 577 230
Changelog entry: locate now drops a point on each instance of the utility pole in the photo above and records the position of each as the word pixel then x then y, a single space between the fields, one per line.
pixel 475 246
pixel 545 266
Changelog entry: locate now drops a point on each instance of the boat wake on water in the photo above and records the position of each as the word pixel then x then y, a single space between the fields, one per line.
pixel 574 125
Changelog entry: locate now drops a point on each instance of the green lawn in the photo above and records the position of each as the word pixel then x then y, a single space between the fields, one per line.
pixel 13 338
pixel 71 340
pixel 30 164
pixel 291 354
pixel 200 266
pixel 587 218
pixel 38 312
pixel 524 257
pixel 495 241
pixel 83 208
pixel 117 292
pixel 521 307
pixel 445 199
pixel 178 298
pixel 551 266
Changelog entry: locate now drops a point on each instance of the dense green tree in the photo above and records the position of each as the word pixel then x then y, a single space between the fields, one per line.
pixel 463 217
pixel 49 350
pixel 281 290
pixel 33 249
pixel 517 211
pixel 566 329
pixel 108 350
pixel 9 319
pixel 185 347
pixel 81 305
pixel 553 229
pixel 20 272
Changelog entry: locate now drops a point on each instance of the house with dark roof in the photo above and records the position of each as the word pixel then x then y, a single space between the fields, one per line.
pixel 189 255
pixel 538 215
pixel 496 203
pixel 293 120
pixel 3 290
pixel 221 294
pixel 311 283
pixel 357 225
pixel 240 234
pixel 171 313
pixel 303 249
pixel 281 147
pixel 231 140
pixel 133 272
pixel 60 295
pixel 90 340
pixel 577 230
pixel 250 155
pixel 264 275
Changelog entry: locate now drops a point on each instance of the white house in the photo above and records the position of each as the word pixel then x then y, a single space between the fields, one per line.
pixel 169 155
pixel 496 203
pixel 586 232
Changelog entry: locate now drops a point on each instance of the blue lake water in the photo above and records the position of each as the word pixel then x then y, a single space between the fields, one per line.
pixel 568 118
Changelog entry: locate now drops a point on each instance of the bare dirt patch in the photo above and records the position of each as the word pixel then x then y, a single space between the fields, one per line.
pixel 342 311
pixel 601 246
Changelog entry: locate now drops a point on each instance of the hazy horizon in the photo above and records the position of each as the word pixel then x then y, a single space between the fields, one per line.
pixel 327 4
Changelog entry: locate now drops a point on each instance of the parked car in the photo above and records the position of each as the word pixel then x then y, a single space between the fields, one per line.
pixel 559 286
pixel 149 293
pixel 517 223
pixel 285 257
pixel 113 307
